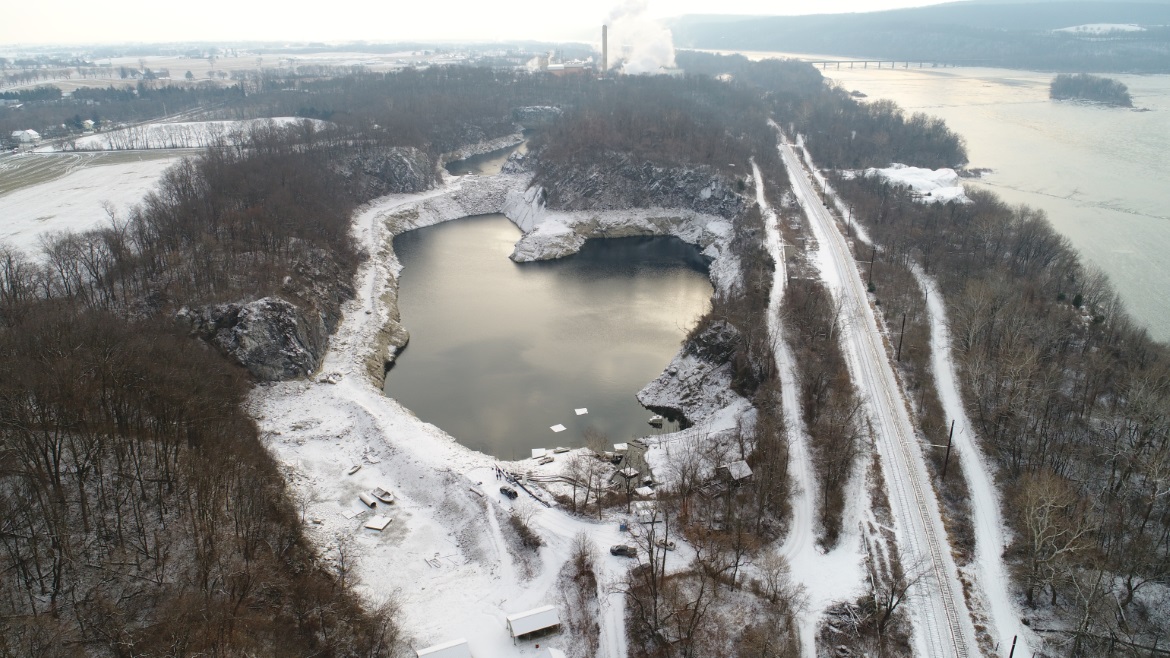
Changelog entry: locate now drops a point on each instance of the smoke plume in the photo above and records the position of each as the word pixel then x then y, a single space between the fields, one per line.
pixel 637 42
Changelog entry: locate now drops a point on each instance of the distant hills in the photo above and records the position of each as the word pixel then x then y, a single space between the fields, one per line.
pixel 1009 33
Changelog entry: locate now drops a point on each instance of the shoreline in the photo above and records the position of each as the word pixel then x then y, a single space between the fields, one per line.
pixel 318 429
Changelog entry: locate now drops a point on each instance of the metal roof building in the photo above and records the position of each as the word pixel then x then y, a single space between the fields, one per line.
pixel 452 649
pixel 533 621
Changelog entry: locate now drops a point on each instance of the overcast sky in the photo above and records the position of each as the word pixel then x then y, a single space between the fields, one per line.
pixel 88 21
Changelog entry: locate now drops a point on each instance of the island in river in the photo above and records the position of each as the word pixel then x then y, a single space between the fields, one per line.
pixel 1086 87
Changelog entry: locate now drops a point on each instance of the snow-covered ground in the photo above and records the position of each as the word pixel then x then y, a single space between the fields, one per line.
pixel 931 185
pixel 1102 28
pixel 837 575
pixel 992 578
pixel 177 135
pixel 941 621
pixel 445 556
pixel 76 201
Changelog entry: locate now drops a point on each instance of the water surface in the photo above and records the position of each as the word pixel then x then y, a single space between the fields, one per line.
pixel 501 351
pixel 1101 174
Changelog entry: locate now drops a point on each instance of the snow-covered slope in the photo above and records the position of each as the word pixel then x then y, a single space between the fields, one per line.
pixel 179 135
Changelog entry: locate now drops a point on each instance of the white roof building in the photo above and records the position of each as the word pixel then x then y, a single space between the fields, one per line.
pixel 737 471
pixel 452 649
pixel 26 136
pixel 533 621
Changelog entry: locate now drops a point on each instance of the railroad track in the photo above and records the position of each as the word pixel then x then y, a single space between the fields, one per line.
pixel 942 623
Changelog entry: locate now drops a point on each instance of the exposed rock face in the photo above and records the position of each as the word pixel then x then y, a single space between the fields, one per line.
pixel 480 148
pixel 617 182
pixel 378 172
pixel 698 380
pixel 270 337
pixel 536 115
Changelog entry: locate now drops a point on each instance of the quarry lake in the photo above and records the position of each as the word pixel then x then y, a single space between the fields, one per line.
pixel 501 351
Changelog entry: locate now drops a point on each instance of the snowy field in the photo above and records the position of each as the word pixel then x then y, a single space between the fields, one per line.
pixel 1102 28
pixel 68 193
pixel 178 135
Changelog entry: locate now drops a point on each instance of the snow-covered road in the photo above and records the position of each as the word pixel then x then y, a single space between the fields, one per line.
pixel 942 624
pixel 826 577
pixel 992 577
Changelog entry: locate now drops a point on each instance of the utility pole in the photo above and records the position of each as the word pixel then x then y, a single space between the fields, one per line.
pixel 901 336
pixel 872 256
pixel 849 220
pixel 947 462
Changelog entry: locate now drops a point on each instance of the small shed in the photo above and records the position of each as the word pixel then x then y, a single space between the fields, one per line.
pixel 538 621
pixel 452 649
pixel 646 512
pixel 736 472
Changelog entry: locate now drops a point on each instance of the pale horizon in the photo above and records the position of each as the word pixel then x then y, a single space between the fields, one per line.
pixel 140 21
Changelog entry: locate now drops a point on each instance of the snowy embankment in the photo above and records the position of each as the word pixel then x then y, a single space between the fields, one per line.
pixel 455 571
pixel 942 625
pixel 827 577
pixel 929 185
pixel 481 148
pixel 76 201
pixel 993 580
pixel 178 135
pixel 555 234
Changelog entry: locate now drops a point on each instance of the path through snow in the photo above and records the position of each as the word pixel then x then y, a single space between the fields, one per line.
pixel 942 624
pixel 826 577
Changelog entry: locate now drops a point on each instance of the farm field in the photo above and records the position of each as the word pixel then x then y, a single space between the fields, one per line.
pixel 54 192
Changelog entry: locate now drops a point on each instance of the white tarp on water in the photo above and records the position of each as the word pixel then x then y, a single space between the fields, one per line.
pixel 558 428
pixel 582 411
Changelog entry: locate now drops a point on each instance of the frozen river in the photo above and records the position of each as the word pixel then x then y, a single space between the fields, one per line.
pixel 1100 173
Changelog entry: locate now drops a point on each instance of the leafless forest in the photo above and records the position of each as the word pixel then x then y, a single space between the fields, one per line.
pixel 140 514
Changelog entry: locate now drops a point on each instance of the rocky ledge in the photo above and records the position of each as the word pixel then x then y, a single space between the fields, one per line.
pixel 271 337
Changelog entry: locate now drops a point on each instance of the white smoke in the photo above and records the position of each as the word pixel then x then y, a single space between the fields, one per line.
pixel 637 42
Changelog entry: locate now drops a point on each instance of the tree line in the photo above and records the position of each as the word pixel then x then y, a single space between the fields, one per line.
pixel 140 513
pixel 1069 396
pixel 1082 86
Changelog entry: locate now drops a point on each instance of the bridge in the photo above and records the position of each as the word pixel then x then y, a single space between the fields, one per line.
pixel 898 63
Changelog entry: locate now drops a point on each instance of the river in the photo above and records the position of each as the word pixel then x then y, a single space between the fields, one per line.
pixel 1101 174
pixel 500 351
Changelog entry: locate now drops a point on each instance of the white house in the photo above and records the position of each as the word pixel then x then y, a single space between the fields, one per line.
pixel 26 136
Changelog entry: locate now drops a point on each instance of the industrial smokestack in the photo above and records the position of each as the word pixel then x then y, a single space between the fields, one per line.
pixel 604 49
